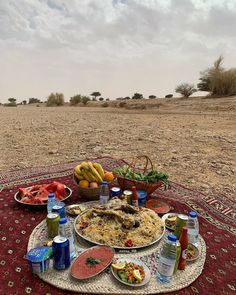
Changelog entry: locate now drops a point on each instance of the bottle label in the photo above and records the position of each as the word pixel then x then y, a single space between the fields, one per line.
pixel 184 254
pixel 166 266
pixel 135 203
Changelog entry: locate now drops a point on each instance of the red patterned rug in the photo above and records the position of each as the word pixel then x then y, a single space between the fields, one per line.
pixel 217 217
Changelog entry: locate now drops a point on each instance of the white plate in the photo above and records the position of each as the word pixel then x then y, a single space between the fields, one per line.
pixel 164 217
pixel 138 262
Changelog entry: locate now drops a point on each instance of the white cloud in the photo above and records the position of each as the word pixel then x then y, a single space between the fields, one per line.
pixel 116 47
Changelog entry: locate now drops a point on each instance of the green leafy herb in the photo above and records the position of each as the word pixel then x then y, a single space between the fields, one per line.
pixel 151 177
pixel 92 261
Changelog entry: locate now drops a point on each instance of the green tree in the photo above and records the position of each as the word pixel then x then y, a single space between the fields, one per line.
pixel 185 89
pixel 74 100
pixel 152 96
pixel 85 99
pixel 217 80
pixel 95 95
pixel 34 100
pixel 12 100
pixel 56 99
pixel 24 102
pixel 137 96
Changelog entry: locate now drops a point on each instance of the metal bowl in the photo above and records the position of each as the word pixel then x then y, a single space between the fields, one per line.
pixel 18 200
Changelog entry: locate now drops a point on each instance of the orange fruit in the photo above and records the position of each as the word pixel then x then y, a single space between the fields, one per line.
pixel 84 183
pixel 108 176
pixel 93 184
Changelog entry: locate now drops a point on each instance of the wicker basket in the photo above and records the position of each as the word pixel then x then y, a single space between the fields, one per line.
pixel 126 183
pixel 90 193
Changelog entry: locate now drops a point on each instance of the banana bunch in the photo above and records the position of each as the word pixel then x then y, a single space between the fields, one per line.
pixel 92 172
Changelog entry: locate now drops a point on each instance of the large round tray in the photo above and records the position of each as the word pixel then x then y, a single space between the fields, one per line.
pixel 105 283
pixel 116 247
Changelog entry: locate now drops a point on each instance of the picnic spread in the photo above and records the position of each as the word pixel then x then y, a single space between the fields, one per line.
pixel 106 226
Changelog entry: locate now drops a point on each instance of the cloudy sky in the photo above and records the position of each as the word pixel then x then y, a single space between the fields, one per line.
pixel 116 47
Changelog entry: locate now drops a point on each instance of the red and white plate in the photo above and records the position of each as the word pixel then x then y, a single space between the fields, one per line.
pixel 81 270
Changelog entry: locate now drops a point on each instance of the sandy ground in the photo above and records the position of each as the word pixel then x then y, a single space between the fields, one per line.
pixel 193 140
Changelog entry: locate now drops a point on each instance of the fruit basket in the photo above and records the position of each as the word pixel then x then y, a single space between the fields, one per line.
pixel 88 176
pixel 145 178
pixel 90 193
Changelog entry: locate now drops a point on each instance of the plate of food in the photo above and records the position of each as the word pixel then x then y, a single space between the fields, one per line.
pixel 170 220
pixel 192 253
pixel 160 207
pixel 37 195
pixel 75 209
pixel 92 262
pixel 131 272
pixel 120 225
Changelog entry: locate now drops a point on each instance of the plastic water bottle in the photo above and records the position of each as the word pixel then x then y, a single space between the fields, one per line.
pixel 104 193
pixel 193 228
pixel 51 202
pixel 66 232
pixel 167 258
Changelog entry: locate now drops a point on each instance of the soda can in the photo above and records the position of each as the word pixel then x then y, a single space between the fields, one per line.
pixel 61 253
pixel 180 223
pixel 128 196
pixel 115 192
pixel 59 209
pixel 52 224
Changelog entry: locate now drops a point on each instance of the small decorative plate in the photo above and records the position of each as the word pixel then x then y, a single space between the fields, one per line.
pixel 135 261
pixel 192 253
pixel 165 217
pixel 158 206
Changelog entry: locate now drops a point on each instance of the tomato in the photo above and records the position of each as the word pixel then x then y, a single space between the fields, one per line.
pixel 129 243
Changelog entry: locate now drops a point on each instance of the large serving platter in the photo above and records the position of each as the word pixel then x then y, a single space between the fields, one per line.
pixel 116 247
pixel 17 199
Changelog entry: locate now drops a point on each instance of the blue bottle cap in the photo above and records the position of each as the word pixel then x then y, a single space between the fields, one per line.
pixel 51 195
pixel 63 221
pixel 192 214
pixel 104 183
pixel 172 238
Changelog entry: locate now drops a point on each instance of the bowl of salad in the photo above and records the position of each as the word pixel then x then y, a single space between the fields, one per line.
pixel 131 272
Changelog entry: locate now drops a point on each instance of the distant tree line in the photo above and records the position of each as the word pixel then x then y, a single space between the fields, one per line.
pixel 216 80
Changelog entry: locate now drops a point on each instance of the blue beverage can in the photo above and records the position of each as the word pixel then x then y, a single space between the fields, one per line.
pixel 115 192
pixel 59 208
pixel 61 253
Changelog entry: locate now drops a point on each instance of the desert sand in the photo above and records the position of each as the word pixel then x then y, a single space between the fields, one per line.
pixel 193 140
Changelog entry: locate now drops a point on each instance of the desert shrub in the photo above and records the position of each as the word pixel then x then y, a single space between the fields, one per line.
pixel 85 99
pixel 74 100
pixel 185 89
pixel 217 80
pixel 127 98
pixel 12 102
pixel 24 102
pixel 101 98
pixel 152 96
pixel 56 99
pixel 137 96
pixel 34 100
pixel 169 96
pixel 107 99
pixel 105 105
pixel 122 104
